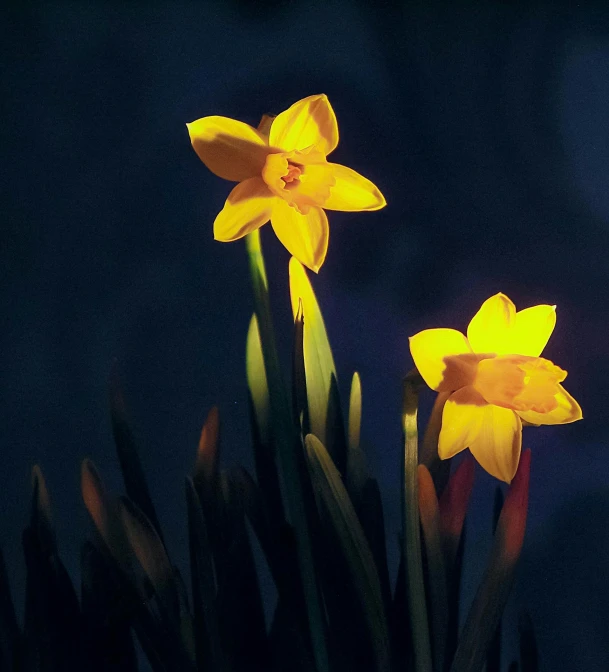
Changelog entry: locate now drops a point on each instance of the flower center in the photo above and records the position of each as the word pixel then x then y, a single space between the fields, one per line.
pixel 292 177
pixel 301 178
pixel 519 382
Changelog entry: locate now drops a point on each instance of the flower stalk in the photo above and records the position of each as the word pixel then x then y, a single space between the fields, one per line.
pixel 411 538
pixel 288 441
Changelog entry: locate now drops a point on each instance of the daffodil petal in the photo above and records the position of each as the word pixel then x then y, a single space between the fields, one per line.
pixel 461 420
pixel 309 122
pixel 531 330
pixel 499 441
pixel 229 148
pixel 568 410
pixel 353 192
pixel 304 236
pixel 489 329
pixel 435 353
pixel 247 208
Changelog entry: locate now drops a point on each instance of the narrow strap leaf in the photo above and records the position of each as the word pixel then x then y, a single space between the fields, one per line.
pixel 288 442
pixel 453 507
pixel 300 406
pixel 10 637
pixel 411 532
pixel 263 440
pixel 355 412
pixel 151 554
pixel 493 657
pixel 207 634
pixel 325 416
pixel 439 469
pixel 128 457
pixel 257 380
pixel 357 470
pixel 430 524
pixel 103 509
pixel 329 489
pixel 106 612
pixel 206 463
pixel 494 589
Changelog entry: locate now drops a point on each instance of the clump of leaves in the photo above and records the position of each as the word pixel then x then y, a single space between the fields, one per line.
pixel 316 512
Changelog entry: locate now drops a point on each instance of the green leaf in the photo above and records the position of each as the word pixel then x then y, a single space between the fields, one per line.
pixel 494 589
pixel 453 508
pixel 288 445
pixel 357 470
pixel 325 420
pixel 262 431
pixel 129 460
pixel 364 490
pixel 150 553
pixel 239 602
pixel 153 618
pixel 430 525
pixel 210 655
pixel 355 412
pixel 10 637
pixel 106 613
pixel 439 469
pixel 280 556
pixel 493 657
pixel 411 534
pixel 256 380
pixel 104 511
pixel 52 622
pixel 331 492
pixel 299 380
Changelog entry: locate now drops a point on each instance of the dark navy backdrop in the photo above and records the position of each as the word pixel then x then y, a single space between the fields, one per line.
pixel 486 129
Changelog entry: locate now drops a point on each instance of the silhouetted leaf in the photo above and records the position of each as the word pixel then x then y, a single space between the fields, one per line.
pixel 107 614
pixel 322 391
pixel 438 597
pixel 262 430
pixel 493 657
pixel 10 636
pixel 128 457
pixel 206 464
pixel 411 528
pixel 210 655
pixel 52 624
pixel 334 501
pixel 150 553
pixel 288 447
pixel 494 589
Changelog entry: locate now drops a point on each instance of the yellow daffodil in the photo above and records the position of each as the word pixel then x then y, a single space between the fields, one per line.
pixel 284 176
pixel 494 379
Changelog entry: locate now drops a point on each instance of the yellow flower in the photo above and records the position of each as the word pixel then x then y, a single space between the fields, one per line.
pixel 283 175
pixel 495 379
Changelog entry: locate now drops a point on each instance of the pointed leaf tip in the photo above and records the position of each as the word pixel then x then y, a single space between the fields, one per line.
pixel 355 412
pixel 454 500
pixel 42 500
pixel 318 360
pixel 257 378
pixel 207 452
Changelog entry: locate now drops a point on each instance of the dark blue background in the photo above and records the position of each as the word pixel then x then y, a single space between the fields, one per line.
pixel 486 129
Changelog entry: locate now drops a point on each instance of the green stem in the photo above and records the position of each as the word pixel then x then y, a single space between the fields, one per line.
pixel 288 441
pixel 412 536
